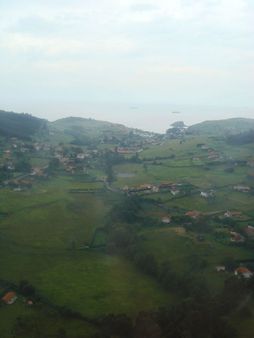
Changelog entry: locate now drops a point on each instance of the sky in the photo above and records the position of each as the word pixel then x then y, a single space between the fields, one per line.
pixel 102 58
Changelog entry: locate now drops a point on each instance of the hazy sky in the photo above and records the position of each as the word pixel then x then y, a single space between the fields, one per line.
pixel 57 53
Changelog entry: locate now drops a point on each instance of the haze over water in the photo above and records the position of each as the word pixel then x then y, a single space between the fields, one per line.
pixel 151 117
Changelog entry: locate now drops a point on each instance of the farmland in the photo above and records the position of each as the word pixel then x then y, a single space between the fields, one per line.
pixel 101 230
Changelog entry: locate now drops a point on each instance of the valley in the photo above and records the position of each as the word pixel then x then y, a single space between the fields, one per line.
pixel 107 224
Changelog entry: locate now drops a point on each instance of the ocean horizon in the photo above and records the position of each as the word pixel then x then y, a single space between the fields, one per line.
pixel 151 117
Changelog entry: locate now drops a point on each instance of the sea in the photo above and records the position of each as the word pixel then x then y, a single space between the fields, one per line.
pixel 151 117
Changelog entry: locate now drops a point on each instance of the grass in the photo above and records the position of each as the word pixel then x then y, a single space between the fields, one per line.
pixel 165 244
pixel 39 321
pixel 89 282
pixel 37 240
pixel 43 230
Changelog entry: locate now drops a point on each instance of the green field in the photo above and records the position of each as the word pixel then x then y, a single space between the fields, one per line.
pixel 42 240
pixel 56 235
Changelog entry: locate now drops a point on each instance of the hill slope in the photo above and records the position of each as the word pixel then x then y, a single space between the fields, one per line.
pixel 222 127
pixel 83 131
pixel 20 125
pixel 90 127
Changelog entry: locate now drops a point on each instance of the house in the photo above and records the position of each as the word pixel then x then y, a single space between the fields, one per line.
pixel 81 156
pixel 230 214
pixel 9 298
pixel 204 194
pixel 200 145
pixel 166 219
pixel 249 231
pixel 242 188
pixel 195 159
pixel 155 189
pixel 236 237
pixel 220 268
pixel 243 272
pixel 193 214
pixel 174 191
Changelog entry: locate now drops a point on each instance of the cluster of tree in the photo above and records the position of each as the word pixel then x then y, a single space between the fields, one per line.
pixel 242 138
pixel 20 125
pixel 127 209
pixel 200 316
pixel 108 160
pixel 26 289
pixel 177 130
pixel 125 221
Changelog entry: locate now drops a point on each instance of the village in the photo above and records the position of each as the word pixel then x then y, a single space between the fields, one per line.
pixel 195 211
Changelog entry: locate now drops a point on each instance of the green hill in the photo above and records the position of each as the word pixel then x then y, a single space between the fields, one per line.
pixel 20 125
pixel 83 131
pixel 89 127
pixel 222 127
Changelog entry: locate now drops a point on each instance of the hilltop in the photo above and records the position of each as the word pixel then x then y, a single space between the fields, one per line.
pixel 20 125
pixel 94 129
pixel 222 127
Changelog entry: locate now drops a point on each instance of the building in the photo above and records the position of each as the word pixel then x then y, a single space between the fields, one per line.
pixel 166 220
pixel 193 214
pixel 220 268
pixel 243 272
pixel 9 298
pixel 236 237
pixel 249 231
pixel 242 188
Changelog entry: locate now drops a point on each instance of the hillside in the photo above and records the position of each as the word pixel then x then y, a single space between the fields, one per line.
pixel 222 127
pixel 123 226
pixel 19 125
pixel 85 130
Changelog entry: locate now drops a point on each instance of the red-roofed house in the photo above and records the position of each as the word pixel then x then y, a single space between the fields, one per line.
pixel 193 214
pixel 9 298
pixel 243 272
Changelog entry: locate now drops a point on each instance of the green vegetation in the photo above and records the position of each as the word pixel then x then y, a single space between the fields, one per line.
pixel 121 232
pixel 20 125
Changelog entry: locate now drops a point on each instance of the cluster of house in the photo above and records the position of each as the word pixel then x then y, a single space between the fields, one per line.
pixel 173 188
pixel 26 181
pixel 72 161
pixel 242 188
pixel 128 150
pixel 22 147
pixel 212 154
pixel 248 231
pixel 10 298
pixel 240 272
pixel 207 194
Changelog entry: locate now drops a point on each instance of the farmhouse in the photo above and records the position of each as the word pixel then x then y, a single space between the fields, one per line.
pixel 174 191
pixel 220 268
pixel 166 220
pixel 249 231
pixel 236 237
pixel 9 298
pixel 204 194
pixel 123 151
pixel 242 188
pixel 243 272
pixel 81 156
pixel 166 185
pixel 193 214
pixel 155 189
pixel 230 214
